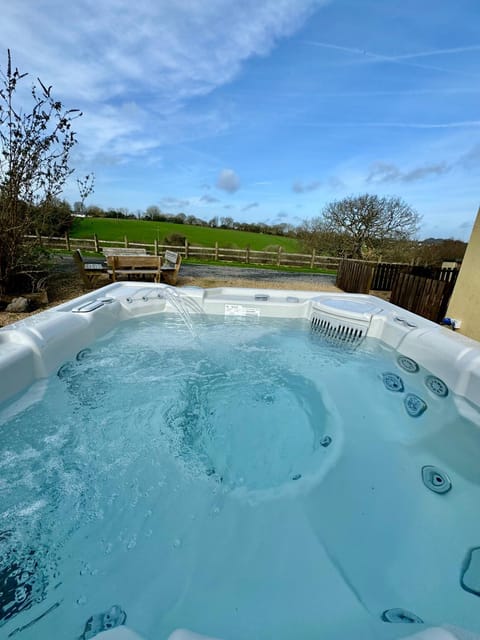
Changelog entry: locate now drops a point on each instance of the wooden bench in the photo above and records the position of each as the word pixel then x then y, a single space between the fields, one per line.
pixel 89 269
pixel 124 251
pixel 171 267
pixel 134 266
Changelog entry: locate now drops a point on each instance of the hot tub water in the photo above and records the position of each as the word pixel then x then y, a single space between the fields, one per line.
pixel 241 483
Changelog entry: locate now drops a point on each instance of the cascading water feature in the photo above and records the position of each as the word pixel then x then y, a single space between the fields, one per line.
pixel 183 304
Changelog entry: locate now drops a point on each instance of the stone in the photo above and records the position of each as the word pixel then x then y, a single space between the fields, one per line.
pixel 18 305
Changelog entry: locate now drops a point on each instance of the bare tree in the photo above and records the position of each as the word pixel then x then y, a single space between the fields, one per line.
pixel 86 187
pixel 363 224
pixel 35 146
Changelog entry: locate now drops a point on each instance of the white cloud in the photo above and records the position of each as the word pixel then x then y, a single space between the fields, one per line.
pixel 228 181
pixel 171 201
pixel 106 55
pixel 389 172
pixel 209 199
pixel 304 187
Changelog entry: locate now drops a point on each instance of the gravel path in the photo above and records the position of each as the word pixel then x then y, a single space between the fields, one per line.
pixel 250 273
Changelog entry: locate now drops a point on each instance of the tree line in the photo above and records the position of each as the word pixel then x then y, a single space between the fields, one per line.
pixel 153 213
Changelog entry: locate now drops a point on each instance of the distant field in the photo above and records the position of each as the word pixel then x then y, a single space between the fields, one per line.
pixel 147 232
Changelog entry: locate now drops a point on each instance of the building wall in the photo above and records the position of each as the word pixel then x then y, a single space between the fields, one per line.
pixel 465 301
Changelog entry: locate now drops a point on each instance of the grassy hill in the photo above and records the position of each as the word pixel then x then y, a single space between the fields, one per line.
pixel 147 232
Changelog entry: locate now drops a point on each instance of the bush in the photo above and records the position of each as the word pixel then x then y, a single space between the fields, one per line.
pixel 175 239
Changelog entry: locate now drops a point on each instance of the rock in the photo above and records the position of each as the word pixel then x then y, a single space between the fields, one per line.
pixel 17 305
pixel 37 299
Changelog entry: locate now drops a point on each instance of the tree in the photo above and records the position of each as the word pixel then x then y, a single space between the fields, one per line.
pixel 35 146
pixel 86 186
pixel 363 224
pixel 93 211
pixel 313 234
pixel 52 220
pixel 434 251
pixel 226 222
pixel 153 213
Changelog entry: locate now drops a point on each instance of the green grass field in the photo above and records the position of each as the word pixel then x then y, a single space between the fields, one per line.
pixel 147 232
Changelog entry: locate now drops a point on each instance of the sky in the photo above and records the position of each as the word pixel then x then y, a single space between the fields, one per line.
pixel 264 110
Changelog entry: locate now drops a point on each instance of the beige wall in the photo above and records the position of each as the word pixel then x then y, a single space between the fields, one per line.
pixel 465 301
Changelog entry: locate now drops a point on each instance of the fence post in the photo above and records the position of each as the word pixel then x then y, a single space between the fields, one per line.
pixel 95 240
pixel 216 251
pixel 156 246
pixel 279 256
pixel 247 254
pixel 312 260
pixel 126 241
pixel 186 248
pixel 67 240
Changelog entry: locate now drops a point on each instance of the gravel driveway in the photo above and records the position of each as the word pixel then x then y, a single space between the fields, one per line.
pixel 221 273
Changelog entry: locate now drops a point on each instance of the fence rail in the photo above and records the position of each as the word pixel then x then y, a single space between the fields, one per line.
pixel 278 257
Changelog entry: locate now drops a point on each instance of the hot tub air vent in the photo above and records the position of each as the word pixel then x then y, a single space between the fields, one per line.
pixel 342 320
pixel 334 330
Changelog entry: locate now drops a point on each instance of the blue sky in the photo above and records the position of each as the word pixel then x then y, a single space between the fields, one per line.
pixel 265 109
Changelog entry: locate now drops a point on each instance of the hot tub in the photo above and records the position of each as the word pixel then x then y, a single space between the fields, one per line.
pixel 244 463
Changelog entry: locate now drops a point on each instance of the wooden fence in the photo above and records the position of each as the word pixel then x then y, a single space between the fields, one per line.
pixel 278 257
pixel 425 296
pixel 421 289
pixel 436 273
pixel 355 276
pixel 385 274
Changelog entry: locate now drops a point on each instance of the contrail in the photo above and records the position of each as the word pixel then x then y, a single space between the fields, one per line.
pixel 400 60
pixel 438 52
pixel 403 125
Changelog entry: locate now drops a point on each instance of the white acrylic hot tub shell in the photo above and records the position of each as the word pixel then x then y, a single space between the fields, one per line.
pixel 34 348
